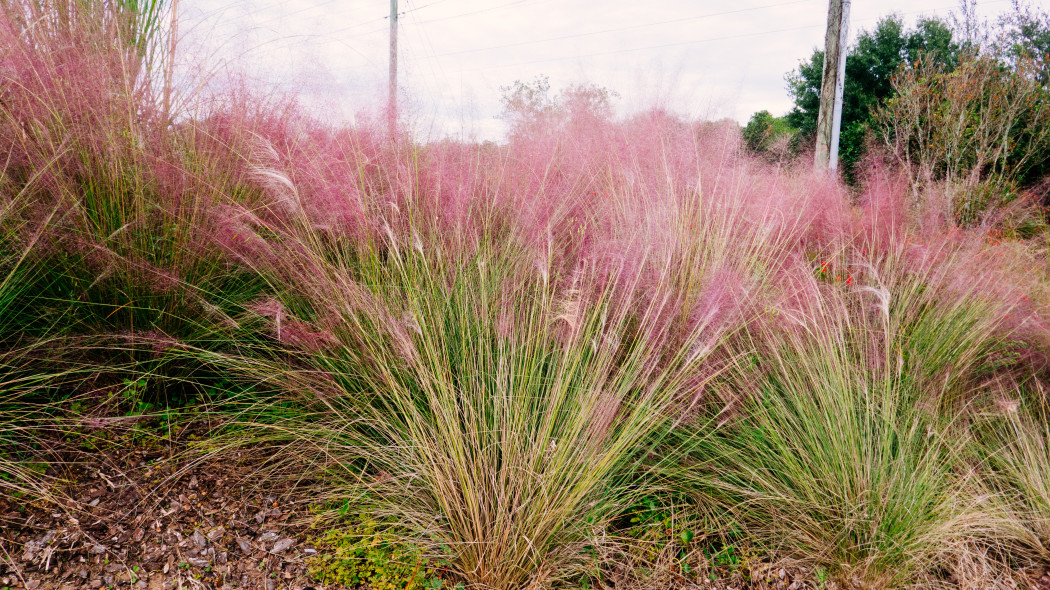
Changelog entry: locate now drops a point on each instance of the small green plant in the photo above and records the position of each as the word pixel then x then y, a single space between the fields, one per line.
pixel 134 397
pixel 822 577
pixel 726 557
pixel 659 538
pixel 366 554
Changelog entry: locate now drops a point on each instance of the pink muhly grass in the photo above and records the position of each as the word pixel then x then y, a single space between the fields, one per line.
pixel 290 330
pixel 157 341
pixel 234 230
pixel 723 305
pixel 611 270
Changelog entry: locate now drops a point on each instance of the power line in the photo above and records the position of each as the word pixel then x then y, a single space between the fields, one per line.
pixel 345 29
pixel 300 11
pixel 661 46
pixel 438 72
pixel 627 28
pixel 424 6
pixel 286 38
pixel 436 69
pixel 472 13
pixel 429 47
pixel 328 2
pixel 683 43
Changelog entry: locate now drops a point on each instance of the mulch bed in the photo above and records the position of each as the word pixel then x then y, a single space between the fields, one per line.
pixel 146 514
pixel 142 512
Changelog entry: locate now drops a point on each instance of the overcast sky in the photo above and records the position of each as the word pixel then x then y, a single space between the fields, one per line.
pixel 704 58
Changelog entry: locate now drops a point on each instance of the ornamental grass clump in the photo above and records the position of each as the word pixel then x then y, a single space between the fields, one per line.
pixel 492 407
pixel 19 476
pixel 489 378
pixel 106 273
pixel 1012 438
pixel 80 174
pixel 488 368
pixel 849 452
pixel 107 202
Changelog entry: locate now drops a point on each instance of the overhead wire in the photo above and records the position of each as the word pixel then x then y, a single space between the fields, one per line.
pixel 619 29
pixel 436 76
pixel 408 51
pixel 479 11
pixel 422 7
pixel 436 67
pixel 680 43
pixel 300 11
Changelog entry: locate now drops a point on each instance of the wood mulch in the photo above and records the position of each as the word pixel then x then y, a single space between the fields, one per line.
pixel 147 514
pixel 141 511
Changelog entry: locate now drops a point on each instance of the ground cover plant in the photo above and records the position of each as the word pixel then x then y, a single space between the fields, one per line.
pixel 621 352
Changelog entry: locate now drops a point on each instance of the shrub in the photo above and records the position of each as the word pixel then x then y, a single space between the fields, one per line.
pixel 980 128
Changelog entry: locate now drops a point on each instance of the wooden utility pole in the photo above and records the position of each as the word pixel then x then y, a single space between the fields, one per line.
pixel 829 118
pixel 392 100
pixel 169 66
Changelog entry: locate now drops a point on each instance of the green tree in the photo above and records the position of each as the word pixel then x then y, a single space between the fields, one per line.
pixel 529 106
pixel 770 136
pixel 1025 37
pixel 527 103
pixel 1023 43
pixel 870 67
